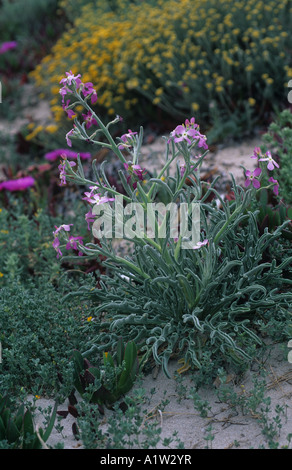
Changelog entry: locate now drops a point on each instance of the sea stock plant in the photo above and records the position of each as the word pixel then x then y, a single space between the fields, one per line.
pixel 174 295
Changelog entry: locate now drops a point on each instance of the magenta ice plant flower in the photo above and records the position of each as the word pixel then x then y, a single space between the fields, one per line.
pixel 271 162
pixel 252 178
pixel 7 46
pixel 54 154
pixel 276 185
pixel 19 184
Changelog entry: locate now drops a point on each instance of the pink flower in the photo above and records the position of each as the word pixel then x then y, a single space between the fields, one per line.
pixel 96 198
pixel 276 185
pixel 6 46
pixel 134 171
pixel 56 242
pixel 251 178
pixel 268 158
pixel 88 89
pixel 68 135
pixel 200 244
pixel 54 154
pixel 70 77
pixel 256 153
pixel 19 184
pixel 72 244
pixel 62 168
pixel 128 139
pixel 70 112
pixel 189 132
pixel 89 119
pixel 89 217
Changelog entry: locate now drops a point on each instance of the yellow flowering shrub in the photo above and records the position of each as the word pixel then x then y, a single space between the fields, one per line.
pixel 178 56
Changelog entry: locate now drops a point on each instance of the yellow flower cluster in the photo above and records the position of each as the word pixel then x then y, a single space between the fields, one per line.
pixel 176 55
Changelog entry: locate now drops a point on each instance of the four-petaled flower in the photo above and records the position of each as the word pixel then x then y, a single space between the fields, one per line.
pixel 188 132
pixel 252 178
pixel 72 243
pixel 88 90
pixel 276 185
pixel 96 198
pixel 89 119
pixel 56 242
pixel 268 158
pixel 200 244
pixel 70 77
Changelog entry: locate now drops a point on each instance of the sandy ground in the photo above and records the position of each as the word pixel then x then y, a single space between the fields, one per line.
pixel 229 426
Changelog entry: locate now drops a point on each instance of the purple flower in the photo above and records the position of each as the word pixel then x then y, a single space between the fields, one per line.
pixel 276 185
pixel 268 158
pixel 70 112
pixel 128 139
pixel 62 168
pixel 72 244
pixel 19 184
pixel 134 171
pixel 87 90
pixel 54 154
pixel 68 135
pixel 70 77
pixel 256 153
pixel 189 132
pixel 89 217
pixel 56 242
pixel 6 46
pixel 96 198
pixel 200 244
pixel 251 178
pixel 89 119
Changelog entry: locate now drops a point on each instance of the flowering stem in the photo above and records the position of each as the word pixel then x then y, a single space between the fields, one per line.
pixel 104 129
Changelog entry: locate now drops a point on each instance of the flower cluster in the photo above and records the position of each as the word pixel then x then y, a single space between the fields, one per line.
pixel 72 242
pixel 254 177
pixel 135 174
pixel 189 133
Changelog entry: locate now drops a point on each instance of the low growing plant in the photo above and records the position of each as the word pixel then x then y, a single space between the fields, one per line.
pixel 106 383
pixel 175 293
pixel 17 429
